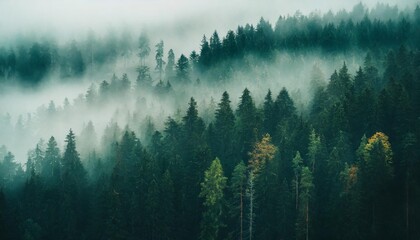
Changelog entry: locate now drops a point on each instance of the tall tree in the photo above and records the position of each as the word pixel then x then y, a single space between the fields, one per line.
pixel 237 203
pixel 205 54
pixel 297 169
pixel 143 48
pixel 159 59
pixel 212 191
pixel 73 189
pixel 246 124
pixel 262 153
pixel 215 48
pixel 51 168
pixel 72 169
pixel 170 66
pixel 306 188
pixel 377 173
pixel 183 69
pixel 269 121
pixel 224 129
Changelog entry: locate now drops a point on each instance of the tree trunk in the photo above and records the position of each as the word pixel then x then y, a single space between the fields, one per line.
pixel 251 203
pixel 307 220
pixel 241 218
pixel 407 205
pixel 297 192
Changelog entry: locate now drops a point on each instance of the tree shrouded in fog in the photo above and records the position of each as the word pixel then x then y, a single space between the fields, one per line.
pixel 159 59
pixel 316 134
pixel 143 48
pixel 183 69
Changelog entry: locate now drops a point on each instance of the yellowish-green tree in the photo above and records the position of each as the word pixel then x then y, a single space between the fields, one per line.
pixel 262 153
pixel 212 192
pixel 377 173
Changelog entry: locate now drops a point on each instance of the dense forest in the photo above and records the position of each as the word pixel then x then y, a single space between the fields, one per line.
pixel 337 160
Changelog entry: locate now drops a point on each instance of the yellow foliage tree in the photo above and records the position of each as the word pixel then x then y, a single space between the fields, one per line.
pixel 379 139
pixel 262 153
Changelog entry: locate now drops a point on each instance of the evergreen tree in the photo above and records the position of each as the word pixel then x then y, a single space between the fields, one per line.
pixel 51 167
pixel 215 47
pixel 297 169
pixel 170 66
pixel 159 59
pixel 246 124
pixel 143 48
pixel 377 173
pixel 183 69
pixel 205 54
pixel 262 153
pixel 304 217
pixel 237 204
pixel 212 191
pixel 74 203
pixel 224 129
pixel 269 121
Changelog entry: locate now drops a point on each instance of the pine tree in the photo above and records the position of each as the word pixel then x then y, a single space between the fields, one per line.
pixel 306 189
pixel 51 168
pixel 183 69
pixel 224 129
pixel 237 204
pixel 212 191
pixel 262 153
pixel 144 48
pixel 159 59
pixel 205 54
pixel 73 189
pixel 170 66
pixel 72 169
pixel 297 169
pixel 195 160
pixel 377 173
pixel 269 121
pixel 246 124
pixel 215 48
pixel 8 170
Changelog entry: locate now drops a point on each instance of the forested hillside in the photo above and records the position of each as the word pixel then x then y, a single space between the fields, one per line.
pixel 338 159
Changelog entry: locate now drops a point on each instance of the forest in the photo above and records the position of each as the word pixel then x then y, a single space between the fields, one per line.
pixel 305 129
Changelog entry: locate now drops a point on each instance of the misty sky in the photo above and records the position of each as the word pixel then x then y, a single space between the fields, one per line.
pixel 178 20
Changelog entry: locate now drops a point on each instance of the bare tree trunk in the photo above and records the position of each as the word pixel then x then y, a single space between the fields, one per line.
pixel 307 221
pixel 242 212
pixel 297 192
pixel 407 205
pixel 251 203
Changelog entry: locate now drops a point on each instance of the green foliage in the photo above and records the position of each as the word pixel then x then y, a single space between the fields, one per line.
pixel 183 69
pixel 310 181
pixel 212 189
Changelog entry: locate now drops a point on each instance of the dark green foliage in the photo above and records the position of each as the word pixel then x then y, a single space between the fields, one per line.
pixel 183 69
pixel 246 124
pixel 72 64
pixel 224 129
pixel 323 182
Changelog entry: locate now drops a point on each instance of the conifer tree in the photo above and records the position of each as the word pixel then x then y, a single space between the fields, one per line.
pixel 237 204
pixel 212 191
pixel 262 153
pixel 224 129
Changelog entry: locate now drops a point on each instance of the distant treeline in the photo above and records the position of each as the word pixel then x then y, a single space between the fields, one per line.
pixel 361 29
pixel 347 168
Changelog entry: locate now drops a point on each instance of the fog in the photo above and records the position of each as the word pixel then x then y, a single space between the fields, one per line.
pixel 181 24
